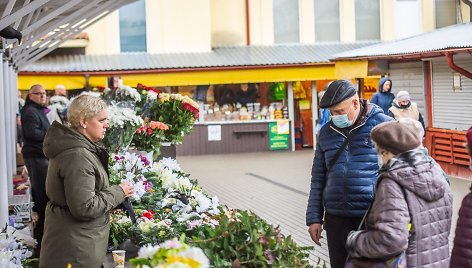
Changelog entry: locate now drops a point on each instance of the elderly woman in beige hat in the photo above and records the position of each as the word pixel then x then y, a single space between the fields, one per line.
pixel 403 107
pixel 412 209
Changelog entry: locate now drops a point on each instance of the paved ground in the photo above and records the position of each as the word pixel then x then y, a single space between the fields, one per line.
pixel 274 185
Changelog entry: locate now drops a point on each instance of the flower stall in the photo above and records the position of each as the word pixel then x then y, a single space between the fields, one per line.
pixel 170 221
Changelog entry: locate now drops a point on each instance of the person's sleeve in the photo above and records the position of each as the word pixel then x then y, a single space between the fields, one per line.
pixel 421 119
pixel 315 209
pixel 374 99
pixel 390 232
pixel 390 114
pixel 31 127
pixel 83 201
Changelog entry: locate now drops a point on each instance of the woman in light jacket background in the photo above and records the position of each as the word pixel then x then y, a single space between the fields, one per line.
pixel 410 190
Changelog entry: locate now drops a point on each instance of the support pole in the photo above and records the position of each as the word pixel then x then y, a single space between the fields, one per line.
pixel 3 153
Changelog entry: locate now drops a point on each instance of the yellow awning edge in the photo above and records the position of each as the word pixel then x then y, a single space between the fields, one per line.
pixel 187 78
pixel 351 69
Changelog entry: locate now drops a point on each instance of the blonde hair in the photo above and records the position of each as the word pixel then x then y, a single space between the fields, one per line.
pixel 84 107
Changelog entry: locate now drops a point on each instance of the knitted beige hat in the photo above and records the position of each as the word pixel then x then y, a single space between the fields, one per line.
pixel 396 137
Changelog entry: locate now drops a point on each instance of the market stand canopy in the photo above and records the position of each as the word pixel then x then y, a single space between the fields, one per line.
pixel 221 65
pixel 45 24
pixel 455 38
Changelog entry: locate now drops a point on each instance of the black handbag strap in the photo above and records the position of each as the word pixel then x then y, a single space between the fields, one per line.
pixel 338 154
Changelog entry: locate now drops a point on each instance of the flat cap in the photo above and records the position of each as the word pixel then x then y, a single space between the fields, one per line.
pixel 337 92
pixel 396 136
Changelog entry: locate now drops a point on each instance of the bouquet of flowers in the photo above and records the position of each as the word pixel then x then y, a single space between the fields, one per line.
pixel 148 96
pixel 176 111
pixel 171 253
pixel 13 251
pixel 131 168
pixel 123 123
pixel 149 136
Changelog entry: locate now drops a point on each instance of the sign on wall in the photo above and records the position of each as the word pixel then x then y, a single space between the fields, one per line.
pixel 278 141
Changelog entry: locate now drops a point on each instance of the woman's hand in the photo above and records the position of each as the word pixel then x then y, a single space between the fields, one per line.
pixel 127 188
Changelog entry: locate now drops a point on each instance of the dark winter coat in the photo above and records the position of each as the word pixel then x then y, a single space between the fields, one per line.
pixel 461 256
pixel 77 216
pixel 348 189
pixel 411 189
pixel 34 125
pixel 383 99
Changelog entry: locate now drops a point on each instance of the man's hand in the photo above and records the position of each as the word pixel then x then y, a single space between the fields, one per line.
pixel 315 230
pixel 34 218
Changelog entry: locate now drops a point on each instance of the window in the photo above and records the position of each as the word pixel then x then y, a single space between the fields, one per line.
pixel 408 18
pixel 286 21
pixel 446 13
pixel 327 26
pixel 367 19
pixel 133 27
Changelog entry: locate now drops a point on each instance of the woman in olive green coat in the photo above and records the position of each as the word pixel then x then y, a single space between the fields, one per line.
pixel 77 216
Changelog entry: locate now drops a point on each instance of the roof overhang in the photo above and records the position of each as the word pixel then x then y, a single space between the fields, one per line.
pixel 56 20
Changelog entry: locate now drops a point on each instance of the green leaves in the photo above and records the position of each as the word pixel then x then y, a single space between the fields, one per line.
pixel 242 239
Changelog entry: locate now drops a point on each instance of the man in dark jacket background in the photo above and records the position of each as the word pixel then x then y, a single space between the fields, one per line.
pixel 384 98
pixel 34 125
pixel 343 184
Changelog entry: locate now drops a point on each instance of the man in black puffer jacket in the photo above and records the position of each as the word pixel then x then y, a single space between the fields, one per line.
pixel 34 125
pixel 344 172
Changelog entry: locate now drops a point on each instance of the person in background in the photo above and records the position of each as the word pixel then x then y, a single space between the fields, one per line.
pixel 78 213
pixel 34 125
pixel 384 97
pixel 403 107
pixel 461 252
pixel 325 115
pixel 410 190
pixel 60 90
pixel 58 105
pixel 344 168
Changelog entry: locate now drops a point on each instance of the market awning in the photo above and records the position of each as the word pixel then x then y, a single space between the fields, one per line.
pixel 223 65
pixel 185 78
pixel 453 38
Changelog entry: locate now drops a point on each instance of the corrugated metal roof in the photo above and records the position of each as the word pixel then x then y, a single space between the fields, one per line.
pixel 285 54
pixel 452 37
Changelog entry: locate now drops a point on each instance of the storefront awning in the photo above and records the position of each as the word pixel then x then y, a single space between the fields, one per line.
pixel 185 78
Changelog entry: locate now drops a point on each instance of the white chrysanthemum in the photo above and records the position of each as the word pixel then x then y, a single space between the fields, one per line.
pixel 60 101
pixel 196 254
pixel 130 92
pixel 145 226
pixel 168 163
pixel 151 95
pixel 148 251
pixel 168 178
pixel 118 117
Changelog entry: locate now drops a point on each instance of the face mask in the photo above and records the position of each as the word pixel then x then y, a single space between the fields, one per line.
pixel 341 121
pixel 406 106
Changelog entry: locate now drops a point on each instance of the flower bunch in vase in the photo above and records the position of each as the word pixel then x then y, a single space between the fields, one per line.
pixel 149 135
pixel 178 112
pixel 123 96
pixel 171 253
pixel 123 122
pixel 148 96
